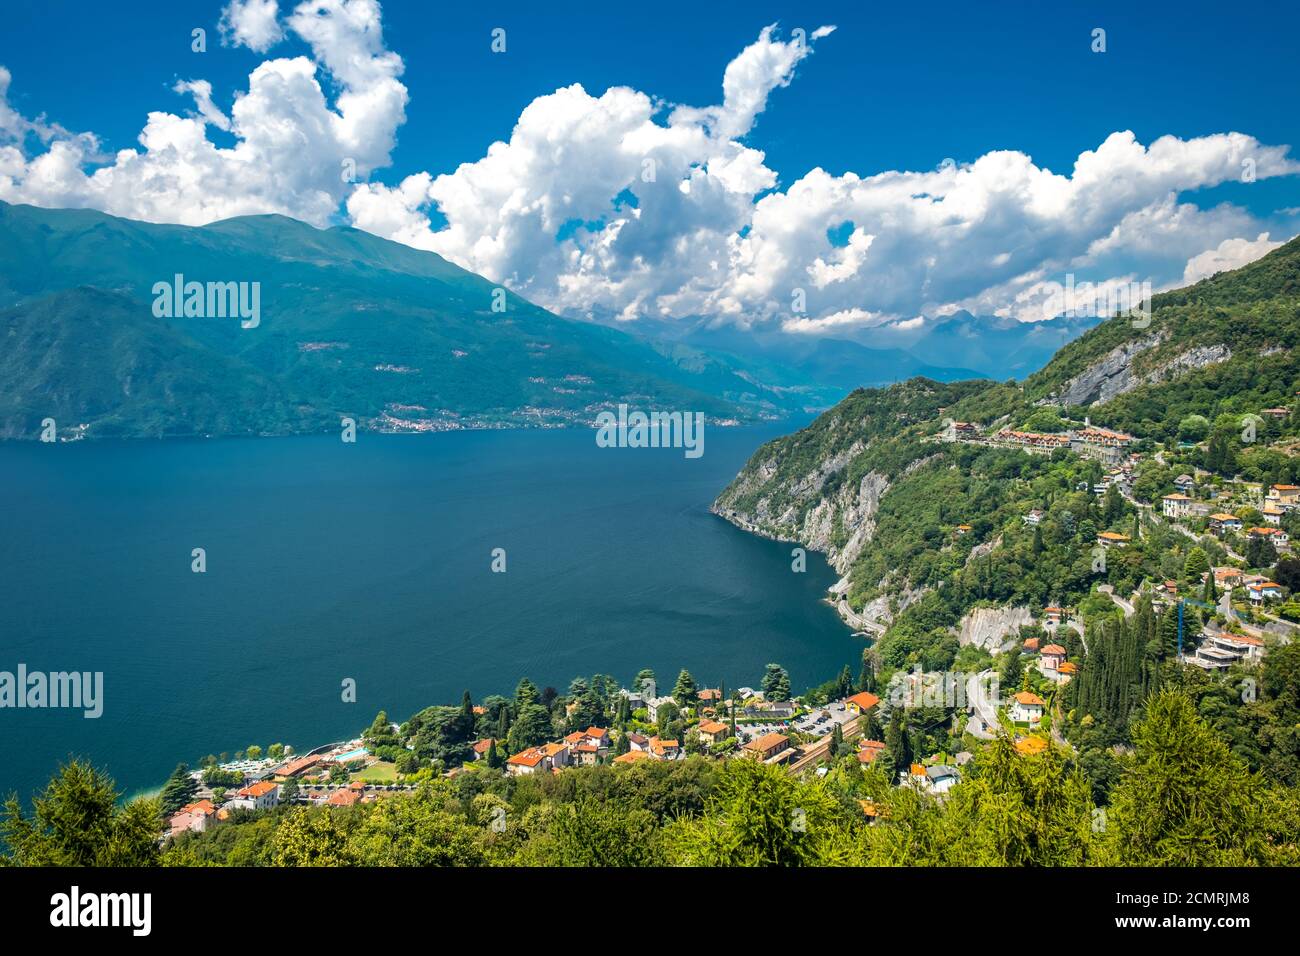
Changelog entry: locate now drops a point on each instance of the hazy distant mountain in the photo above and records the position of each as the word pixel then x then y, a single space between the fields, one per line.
pixel 350 325
pixel 836 363
pixel 945 349
pixel 999 348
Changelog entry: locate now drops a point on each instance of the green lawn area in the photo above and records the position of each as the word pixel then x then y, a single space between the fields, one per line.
pixel 382 772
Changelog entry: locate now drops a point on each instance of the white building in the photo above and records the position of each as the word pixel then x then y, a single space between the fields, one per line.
pixel 1027 708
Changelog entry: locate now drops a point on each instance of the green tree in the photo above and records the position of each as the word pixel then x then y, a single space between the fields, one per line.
pixel 1014 810
pixel 1184 799
pixel 1196 564
pixel 1193 428
pixel 684 691
pixel 531 729
pixel 1012 669
pixel 1260 553
pixel 178 791
pixel 759 815
pixel 897 743
pixel 526 693
pixel 594 833
pixel 76 821
pixel 776 683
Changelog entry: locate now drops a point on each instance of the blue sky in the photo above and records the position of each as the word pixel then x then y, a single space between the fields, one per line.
pixel 894 88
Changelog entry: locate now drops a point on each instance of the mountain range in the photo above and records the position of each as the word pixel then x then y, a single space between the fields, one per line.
pixel 399 339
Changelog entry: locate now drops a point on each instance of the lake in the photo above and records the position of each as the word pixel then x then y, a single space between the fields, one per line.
pixel 372 561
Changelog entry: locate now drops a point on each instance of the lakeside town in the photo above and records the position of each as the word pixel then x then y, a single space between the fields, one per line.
pixel 1240 614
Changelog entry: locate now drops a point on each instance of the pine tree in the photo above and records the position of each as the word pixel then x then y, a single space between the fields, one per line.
pixel 844 685
pixel 179 790
pixel 684 691
pixel 867 676
pixel 776 683
pixel 1012 669
pixel 897 744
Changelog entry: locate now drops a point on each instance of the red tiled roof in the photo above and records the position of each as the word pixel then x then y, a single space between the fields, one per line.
pixel 527 758
pixel 261 788
pixel 864 700
pixel 767 742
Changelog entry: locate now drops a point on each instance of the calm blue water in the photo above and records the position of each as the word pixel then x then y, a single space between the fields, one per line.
pixel 372 561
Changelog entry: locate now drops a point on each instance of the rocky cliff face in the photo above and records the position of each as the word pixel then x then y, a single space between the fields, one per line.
pixel 805 514
pixel 1112 376
pixel 1117 373
pixel 993 628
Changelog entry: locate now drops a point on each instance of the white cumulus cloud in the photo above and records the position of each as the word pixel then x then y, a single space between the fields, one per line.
pixel 294 153
pixel 620 204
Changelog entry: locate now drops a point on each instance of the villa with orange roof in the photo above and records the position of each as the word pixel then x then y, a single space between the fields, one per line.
pixel 861 703
pixel 1053 655
pixel 713 731
pixel 870 750
pixel 770 748
pixel 1227 577
pixel 343 798
pixel 194 817
pixel 1177 505
pixel 1264 591
pixel 526 762
pixel 1221 521
pixel 1276 535
pixel 665 749
pixel 1111 539
pixel 258 796
pixel 1027 708
pixel 1028 746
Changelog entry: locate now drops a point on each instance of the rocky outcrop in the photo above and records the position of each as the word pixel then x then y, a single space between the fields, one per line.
pixel 839 524
pixel 878 613
pixel 1193 358
pixel 993 628
pixel 1115 374
pixel 1112 376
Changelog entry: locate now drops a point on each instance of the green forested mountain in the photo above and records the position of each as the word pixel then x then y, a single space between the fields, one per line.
pixel 933 537
pixel 1221 346
pixel 351 324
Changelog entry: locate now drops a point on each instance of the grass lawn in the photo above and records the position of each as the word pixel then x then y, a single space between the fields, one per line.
pixel 381 772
